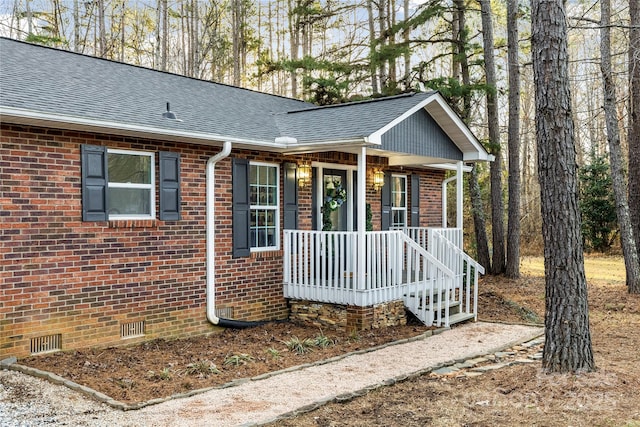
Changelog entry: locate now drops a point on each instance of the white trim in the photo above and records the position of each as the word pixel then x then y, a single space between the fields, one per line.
pixel 377 135
pixel 449 167
pixel 127 185
pixel 459 199
pixel 286 145
pixel 405 208
pixel 321 166
pixel 436 99
pixel 275 209
pixel 325 165
pixel 462 126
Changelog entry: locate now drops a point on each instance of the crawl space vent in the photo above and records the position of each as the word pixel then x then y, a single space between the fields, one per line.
pixel 225 312
pixel 132 329
pixel 46 343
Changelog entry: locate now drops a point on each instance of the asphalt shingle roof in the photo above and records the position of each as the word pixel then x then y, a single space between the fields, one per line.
pixel 53 81
pixel 55 85
pixel 346 121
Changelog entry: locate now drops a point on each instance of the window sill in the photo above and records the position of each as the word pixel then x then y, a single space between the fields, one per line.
pixel 267 254
pixel 132 223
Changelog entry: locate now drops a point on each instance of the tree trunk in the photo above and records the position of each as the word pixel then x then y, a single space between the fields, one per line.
pixel 407 56
pixel 372 46
pixel 477 210
pixel 513 228
pixel 165 36
pixel 629 249
pixel 294 34
pixel 497 208
pixel 382 23
pixel 634 119
pixel 567 336
pixel 461 69
pixel 76 27
pixel 101 29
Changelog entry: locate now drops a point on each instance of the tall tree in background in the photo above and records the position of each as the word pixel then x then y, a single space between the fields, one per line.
pixel 567 337
pixel 634 119
pixel 460 65
pixel 497 206
pixel 512 269
pixel 629 249
pixel 237 14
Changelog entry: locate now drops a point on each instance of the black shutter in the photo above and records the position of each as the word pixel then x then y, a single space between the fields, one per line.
pixel 290 196
pixel 169 186
pixel 241 211
pixel 386 202
pixel 314 202
pixel 94 182
pixel 415 200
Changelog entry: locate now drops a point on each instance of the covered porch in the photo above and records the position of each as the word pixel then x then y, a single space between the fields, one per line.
pixel 402 255
pixel 425 268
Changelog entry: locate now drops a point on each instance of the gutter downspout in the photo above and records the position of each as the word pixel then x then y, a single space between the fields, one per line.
pixel 210 233
pixel 210 248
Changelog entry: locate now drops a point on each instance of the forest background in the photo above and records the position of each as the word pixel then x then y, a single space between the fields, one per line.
pixel 333 51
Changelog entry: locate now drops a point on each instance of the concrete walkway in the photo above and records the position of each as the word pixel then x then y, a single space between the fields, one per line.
pixel 264 399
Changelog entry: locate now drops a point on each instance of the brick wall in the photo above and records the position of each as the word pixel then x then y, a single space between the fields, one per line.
pixel 83 280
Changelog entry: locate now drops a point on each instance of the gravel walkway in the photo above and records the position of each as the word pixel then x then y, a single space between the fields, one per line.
pixel 27 401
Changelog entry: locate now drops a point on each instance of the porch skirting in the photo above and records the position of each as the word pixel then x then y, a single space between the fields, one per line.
pixel 348 318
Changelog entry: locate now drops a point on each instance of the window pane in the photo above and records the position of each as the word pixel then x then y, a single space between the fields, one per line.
pixel 264 193
pixel 270 218
pixel 129 168
pixel 253 174
pixel 399 218
pixel 271 173
pixel 129 201
pixel 271 199
pixel 398 190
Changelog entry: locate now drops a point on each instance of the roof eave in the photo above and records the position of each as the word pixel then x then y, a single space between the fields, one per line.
pixel 37 118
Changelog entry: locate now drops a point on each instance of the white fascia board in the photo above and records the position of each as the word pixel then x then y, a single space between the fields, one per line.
pixel 21 116
pixel 425 162
pixel 481 152
pixel 477 157
pixel 448 166
pixel 333 145
pixel 437 98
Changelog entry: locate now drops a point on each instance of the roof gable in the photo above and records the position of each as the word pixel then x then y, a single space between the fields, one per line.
pixel 420 135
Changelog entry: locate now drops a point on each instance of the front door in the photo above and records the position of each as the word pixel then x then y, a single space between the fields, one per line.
pixel 334 195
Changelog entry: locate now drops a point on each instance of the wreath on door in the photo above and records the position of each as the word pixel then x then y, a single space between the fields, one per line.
pixel 334 199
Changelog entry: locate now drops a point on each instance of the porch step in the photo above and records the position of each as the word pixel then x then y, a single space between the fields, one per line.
pixel 460 317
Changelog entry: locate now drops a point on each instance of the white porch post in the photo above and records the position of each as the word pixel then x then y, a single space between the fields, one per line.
pixel 362 216
pixel 459 199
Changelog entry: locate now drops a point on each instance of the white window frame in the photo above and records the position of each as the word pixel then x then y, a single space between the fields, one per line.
pixel 276 208
pixel 395 208
pixel 151 186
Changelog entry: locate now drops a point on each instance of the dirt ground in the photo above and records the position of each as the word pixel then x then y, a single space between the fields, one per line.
pixel 516 395
pixel 161 368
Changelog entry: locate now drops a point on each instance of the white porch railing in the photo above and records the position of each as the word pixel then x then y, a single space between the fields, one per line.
pixel 445 244
pixel 322 266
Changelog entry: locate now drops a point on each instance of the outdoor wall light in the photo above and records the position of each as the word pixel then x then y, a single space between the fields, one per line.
pixel 304 174
pixel 378 179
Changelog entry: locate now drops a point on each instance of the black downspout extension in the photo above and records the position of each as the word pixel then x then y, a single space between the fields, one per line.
pixel 239 324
